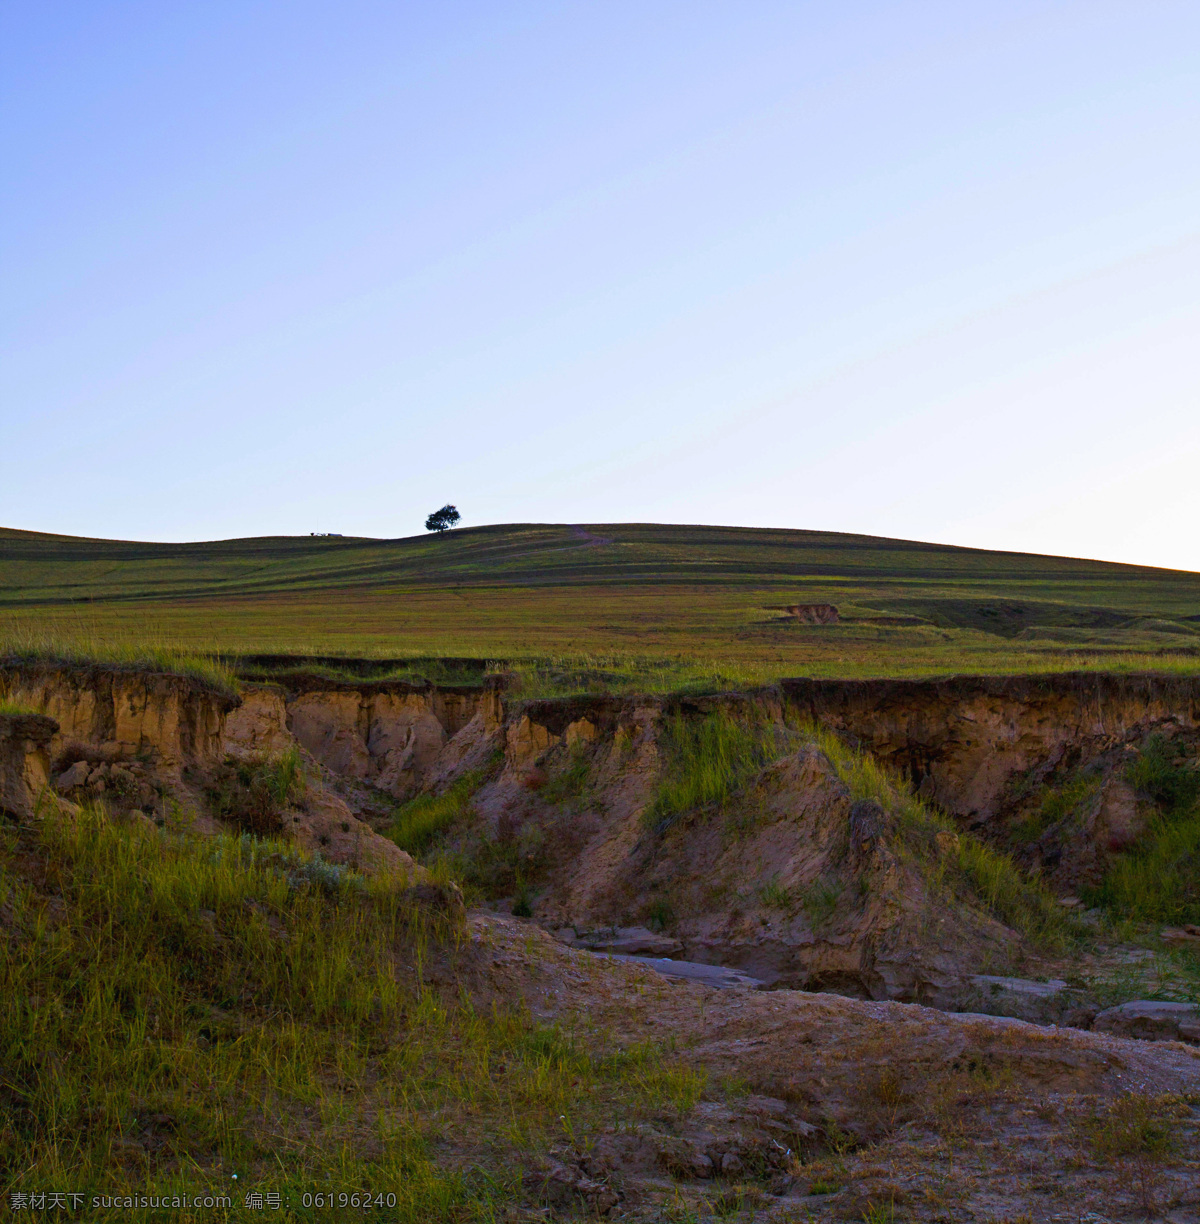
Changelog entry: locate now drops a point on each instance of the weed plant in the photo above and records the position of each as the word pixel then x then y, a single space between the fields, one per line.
pixel 184 1016
pixel 255 794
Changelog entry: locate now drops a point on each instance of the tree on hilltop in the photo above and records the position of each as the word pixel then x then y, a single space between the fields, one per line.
pixel 443 519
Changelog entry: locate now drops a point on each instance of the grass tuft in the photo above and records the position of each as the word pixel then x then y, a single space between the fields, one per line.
pixel 707 761
pixel 420 821
pixel 1017 898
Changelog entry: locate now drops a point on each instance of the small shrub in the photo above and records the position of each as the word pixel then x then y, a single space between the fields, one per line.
pixel 1058 803
pixel 1160 774
pixel 659 914
pixel 1136 1124
pixel 775 896
pixel 568 784
pixel 326 878
pixel 523 905
pixel 819 901
pixel 254 794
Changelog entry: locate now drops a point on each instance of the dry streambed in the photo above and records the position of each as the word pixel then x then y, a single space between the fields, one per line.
pixel 839 1108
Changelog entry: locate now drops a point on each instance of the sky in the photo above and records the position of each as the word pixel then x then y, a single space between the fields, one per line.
pixel 926 270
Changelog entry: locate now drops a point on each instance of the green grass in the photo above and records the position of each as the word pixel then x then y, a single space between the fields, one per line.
pixel 962 862
pixel 22 646
pixel 421 821
pixel 707 761
pixel 1158 879
pixel 176 1011
pixel 615 608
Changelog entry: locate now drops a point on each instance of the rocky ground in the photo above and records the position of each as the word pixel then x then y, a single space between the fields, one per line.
pixel 822 1107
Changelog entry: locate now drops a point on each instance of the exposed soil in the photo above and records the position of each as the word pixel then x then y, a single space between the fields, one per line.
pixel 817 1102
pixel 834 1107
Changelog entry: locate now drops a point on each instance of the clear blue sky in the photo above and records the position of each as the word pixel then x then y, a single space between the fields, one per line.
pixel 927 270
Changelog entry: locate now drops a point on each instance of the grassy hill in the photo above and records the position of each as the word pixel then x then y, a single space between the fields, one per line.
pixel 607 605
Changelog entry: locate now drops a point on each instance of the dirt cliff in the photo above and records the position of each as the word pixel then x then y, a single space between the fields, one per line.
pixel 171 720
pixel 166 748
pixel 396 737
pixel 772 883
pixel 963 740
pixel 24 761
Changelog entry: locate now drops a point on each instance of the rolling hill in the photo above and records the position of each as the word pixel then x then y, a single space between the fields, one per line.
pixel 673 598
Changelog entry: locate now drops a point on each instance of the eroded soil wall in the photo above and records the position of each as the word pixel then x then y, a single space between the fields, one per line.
pixel 963 740
pixel 170 719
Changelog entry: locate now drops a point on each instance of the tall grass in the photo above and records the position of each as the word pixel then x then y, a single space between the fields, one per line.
pixel 1158 880
pixel 80 646
pixel 978 871
pixel 707 761
pixel 175 1011
pixel 420 821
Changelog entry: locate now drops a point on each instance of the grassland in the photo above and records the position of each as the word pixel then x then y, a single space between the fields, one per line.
pixel 609 608
pixel 214 1017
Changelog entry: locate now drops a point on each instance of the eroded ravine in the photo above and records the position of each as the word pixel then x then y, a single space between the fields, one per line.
pixel 798 883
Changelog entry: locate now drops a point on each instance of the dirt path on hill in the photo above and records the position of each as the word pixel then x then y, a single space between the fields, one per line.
pixel 590 540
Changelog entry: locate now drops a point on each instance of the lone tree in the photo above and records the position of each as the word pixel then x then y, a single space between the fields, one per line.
pixel 443 519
